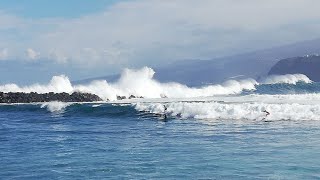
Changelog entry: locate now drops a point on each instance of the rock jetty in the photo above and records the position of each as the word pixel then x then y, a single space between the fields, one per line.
pixel 20 97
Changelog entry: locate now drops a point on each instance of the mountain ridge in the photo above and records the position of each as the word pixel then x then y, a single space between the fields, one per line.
pixel 307 65
pixel 254 64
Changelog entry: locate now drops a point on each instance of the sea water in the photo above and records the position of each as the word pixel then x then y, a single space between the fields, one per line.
pixel 134 140
pixel 241 129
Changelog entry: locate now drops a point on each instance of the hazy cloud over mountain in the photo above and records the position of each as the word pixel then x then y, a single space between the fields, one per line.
pixel 147 32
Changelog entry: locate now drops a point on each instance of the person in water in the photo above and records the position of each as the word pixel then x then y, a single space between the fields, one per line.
pixel 267 114
pixel 165 112
pixel 179 115
pixel 165 108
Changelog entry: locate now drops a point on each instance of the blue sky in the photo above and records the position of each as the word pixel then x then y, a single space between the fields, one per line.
pixel 89 38
pixel 54 8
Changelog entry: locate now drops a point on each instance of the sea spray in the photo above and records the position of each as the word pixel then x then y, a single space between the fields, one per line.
pixel 55 106
pixel 287 79
pixel 141 83
pixel 58 84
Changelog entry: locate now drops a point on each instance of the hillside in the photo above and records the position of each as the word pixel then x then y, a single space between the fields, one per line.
pixel 308 65
pixel 254 64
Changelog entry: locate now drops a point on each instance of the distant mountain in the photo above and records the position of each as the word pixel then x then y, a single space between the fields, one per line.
pixel 253 64
pixel 308 65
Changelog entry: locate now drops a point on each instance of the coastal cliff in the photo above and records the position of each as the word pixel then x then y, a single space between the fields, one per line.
pixel 308 65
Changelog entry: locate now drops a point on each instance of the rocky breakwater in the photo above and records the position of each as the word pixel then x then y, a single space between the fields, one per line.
pixel 20 97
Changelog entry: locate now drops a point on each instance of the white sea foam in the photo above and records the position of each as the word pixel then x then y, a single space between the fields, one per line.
pixel 288 78
pixel 57 84
pixel 55 106
pixel 141 83
pixel 235 111
pixel 287 107
pixel 96 105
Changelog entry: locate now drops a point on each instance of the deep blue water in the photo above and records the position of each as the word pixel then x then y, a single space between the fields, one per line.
pixel 118 142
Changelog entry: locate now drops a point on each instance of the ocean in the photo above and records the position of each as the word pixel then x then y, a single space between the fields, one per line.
pixel 266 130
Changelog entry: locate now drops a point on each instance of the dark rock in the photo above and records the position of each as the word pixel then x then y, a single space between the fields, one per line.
pixel 121 97
pixel 307 65
pixel 132 97
pixel 20 97
pixel 135 97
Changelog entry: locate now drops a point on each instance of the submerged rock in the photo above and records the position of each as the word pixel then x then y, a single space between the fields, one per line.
pixel 21 97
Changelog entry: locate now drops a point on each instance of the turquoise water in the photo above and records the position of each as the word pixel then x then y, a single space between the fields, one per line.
pixel 119 142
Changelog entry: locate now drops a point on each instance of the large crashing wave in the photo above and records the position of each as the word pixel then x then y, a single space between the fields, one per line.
pixel 141 83
pixel 58 84
pixel 288 79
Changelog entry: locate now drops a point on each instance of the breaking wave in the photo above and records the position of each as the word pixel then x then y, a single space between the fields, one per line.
pixel 141 83
pixel 55 106
pixel 58 84
pixel 240 108
pixel 287 79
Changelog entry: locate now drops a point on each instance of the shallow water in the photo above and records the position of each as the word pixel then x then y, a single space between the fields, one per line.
pixel 119 142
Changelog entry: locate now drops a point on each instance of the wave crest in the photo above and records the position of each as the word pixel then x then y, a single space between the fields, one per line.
pixel 55 106
pixel 287 79
pixel 141 83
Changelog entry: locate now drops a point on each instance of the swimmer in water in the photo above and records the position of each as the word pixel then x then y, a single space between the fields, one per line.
pixel 179 115
pixel 267 114
pixel 165 108
pixel 165 112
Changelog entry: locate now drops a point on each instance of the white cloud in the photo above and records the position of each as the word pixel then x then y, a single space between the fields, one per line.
pixel 32 54
pixel 154 31
pixel 4 54
pixel 58 56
